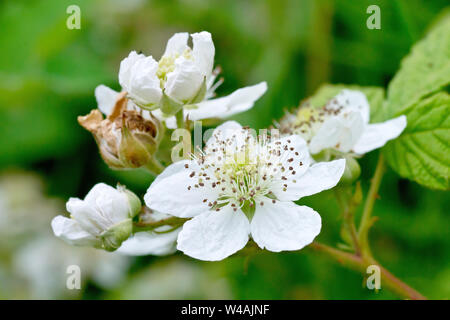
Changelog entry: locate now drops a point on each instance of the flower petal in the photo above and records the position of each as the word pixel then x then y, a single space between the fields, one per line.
pixel 126 65
pixel 203 52
pixel 71 232
pixel 112 205
pixel 184 82
pixel 320 176
pixel 352 100
pixel 150 243
pixel 214 235
pixel 295 160
pixel 238 101
pixel 339 132
pixel 376 135
pixel 144 86
pixel 223 132
pixel 106 99
pixel 170 192
pixel 284 226
pixel 177 43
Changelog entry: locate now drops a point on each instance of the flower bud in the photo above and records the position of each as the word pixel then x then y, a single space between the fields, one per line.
pixel 102 220
pixel 352 171
pixel 125 138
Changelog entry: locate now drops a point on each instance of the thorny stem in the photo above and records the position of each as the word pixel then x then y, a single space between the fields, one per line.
pixel 345 201
pixel 360 263
pixel 362 257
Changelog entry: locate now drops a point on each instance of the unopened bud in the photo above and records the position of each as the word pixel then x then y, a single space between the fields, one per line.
pixel 125 138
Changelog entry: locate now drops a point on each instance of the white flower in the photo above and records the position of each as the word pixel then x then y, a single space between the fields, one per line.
pixel 159 242
pixel 342 125
pixel 241 186
pixel 186 77
pixel 101 220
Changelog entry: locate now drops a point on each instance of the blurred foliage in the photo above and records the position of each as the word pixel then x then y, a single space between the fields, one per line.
pixel 48 74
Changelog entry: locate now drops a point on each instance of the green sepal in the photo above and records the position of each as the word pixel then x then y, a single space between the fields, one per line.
pixel 169 106
pixel 201 93
pixel 112 238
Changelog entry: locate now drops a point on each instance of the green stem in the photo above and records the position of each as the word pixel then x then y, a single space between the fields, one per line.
pixel 154 166
pixel 366 219
pixel 180 119
pixel 345 201
pixel 360 264
pixel 151 225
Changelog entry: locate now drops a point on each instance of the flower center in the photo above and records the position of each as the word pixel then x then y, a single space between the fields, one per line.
pixel 241 176
pixel 308 119
pixel 166 64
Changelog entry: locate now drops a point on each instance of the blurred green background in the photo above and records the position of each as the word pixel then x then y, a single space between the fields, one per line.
pixel 47 78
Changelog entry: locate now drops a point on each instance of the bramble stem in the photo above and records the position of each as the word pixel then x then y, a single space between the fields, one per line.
pixel 153 224
pixel 366 219
pixel 360 264
pixel 347 205
pixel 180 119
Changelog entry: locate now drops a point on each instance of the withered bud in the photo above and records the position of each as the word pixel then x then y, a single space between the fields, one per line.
pixel 126 139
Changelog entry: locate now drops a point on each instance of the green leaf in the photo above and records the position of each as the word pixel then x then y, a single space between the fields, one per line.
pixel 424 71
pixel 375 96
pixel 422 152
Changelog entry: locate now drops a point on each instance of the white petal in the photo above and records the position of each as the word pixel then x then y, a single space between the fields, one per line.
pixel 376 135
pixel 98 190
pixel 126 66
pixel 184 82
pixel 292 158
pixel 177 43
pixel 144 86
pixel 339 132
pixel 203 52
pixel 169 192
pixel 146 243
pixel 239 101
pixel 284 226
pixel 113 204
pixel 106 99
pixel 71 232
pixel 87 216
pixel 295 163
pixel 214 235
pixel 352 100
pixel 320 176
pixel 223 132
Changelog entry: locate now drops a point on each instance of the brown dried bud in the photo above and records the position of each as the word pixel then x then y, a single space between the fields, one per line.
pixel 125 138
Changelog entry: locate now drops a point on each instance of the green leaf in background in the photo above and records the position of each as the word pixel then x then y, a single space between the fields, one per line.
pixel 424 71
pixel 375 96
pixel 422 152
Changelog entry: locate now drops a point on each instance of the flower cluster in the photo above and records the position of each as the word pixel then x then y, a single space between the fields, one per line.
pixel 182 80
pixel 240 187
